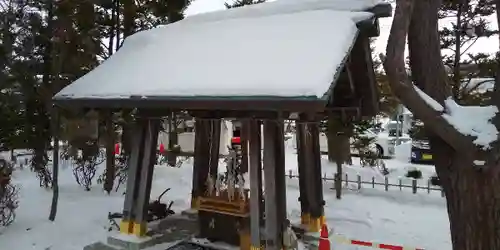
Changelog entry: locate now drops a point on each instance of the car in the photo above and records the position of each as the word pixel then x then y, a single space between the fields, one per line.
pixel 421 152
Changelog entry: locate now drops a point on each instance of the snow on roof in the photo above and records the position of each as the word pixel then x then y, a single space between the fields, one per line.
pixel 283 7
pixel 291 51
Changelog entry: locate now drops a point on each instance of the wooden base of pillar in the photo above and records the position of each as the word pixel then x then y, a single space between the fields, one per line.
pixel 132 228
pixel 315 224
pixel 245 240
pixel 195 203
pixel 126 227
pixel 305 219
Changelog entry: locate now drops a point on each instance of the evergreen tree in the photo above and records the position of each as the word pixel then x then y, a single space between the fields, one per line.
pixel 240 3
pixel 469 73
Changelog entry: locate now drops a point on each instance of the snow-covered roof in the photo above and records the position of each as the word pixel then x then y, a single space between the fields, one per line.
pixel 286 48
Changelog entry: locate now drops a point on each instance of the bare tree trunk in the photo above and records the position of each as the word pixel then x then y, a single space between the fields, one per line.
pixel 472 193
pixel 109 178
pixel 55 170
pixel 473 201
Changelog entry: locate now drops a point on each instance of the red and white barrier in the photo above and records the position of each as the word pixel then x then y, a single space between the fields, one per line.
pixel 344 240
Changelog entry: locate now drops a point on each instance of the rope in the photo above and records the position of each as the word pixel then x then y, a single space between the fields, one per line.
pixel 277 120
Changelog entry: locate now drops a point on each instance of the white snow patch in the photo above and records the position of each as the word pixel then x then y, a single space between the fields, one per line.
pixel 479 163
pixel 370 214
pixel 402 152
pixel 283 53
pixel 474 121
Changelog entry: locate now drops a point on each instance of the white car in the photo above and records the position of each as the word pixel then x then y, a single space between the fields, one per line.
pixel 384 143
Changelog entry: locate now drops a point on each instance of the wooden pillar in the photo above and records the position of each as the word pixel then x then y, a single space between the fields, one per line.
pixel 315 183
pixel 255 169
pixel 133 178
pixel 141 170
pixel 274 184
pixel 280 179
pixel 173 139
pixel 215 131
pixel 302 152
pixel 244 137
pixel 201 160
pixel 152 127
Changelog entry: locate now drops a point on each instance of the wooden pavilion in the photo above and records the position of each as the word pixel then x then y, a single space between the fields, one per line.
pixel 296 70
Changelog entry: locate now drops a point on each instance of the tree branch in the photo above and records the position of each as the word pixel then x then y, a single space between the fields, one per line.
pixel 403 88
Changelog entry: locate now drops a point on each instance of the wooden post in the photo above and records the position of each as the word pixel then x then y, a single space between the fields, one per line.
pixel 110 152
pixel 302 152
pixel 255 169
pixel 151 128
pixel 414 185
pixel 280 181
pixel 316 196
pixel 215 130
pixel 173 139
pixel 338 181
pixel 244 137
pixel 133 178
pixel 201 159
pixel 273 235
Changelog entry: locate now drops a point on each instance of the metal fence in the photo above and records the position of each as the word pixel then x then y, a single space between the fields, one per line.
pixel 372 183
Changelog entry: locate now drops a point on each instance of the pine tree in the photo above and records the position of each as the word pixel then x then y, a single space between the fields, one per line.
pixel 240 3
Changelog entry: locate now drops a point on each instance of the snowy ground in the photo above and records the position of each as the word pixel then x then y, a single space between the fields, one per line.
pixel 394 217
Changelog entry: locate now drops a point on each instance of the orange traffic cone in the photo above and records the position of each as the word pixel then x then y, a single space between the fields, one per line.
pixel 324 242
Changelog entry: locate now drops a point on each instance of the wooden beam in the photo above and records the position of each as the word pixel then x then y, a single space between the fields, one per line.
pixel 364 79
pixel 161 103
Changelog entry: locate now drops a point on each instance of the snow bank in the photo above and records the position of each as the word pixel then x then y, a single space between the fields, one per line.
pixel 291 51
pixel 402 152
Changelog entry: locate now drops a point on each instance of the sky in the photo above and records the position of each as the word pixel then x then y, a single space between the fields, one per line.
pixel 484 45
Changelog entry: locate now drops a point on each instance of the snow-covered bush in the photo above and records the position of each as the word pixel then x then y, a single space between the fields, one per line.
pixel 414 173
pixel 435 180
pixel 86 161
pixel 8 194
